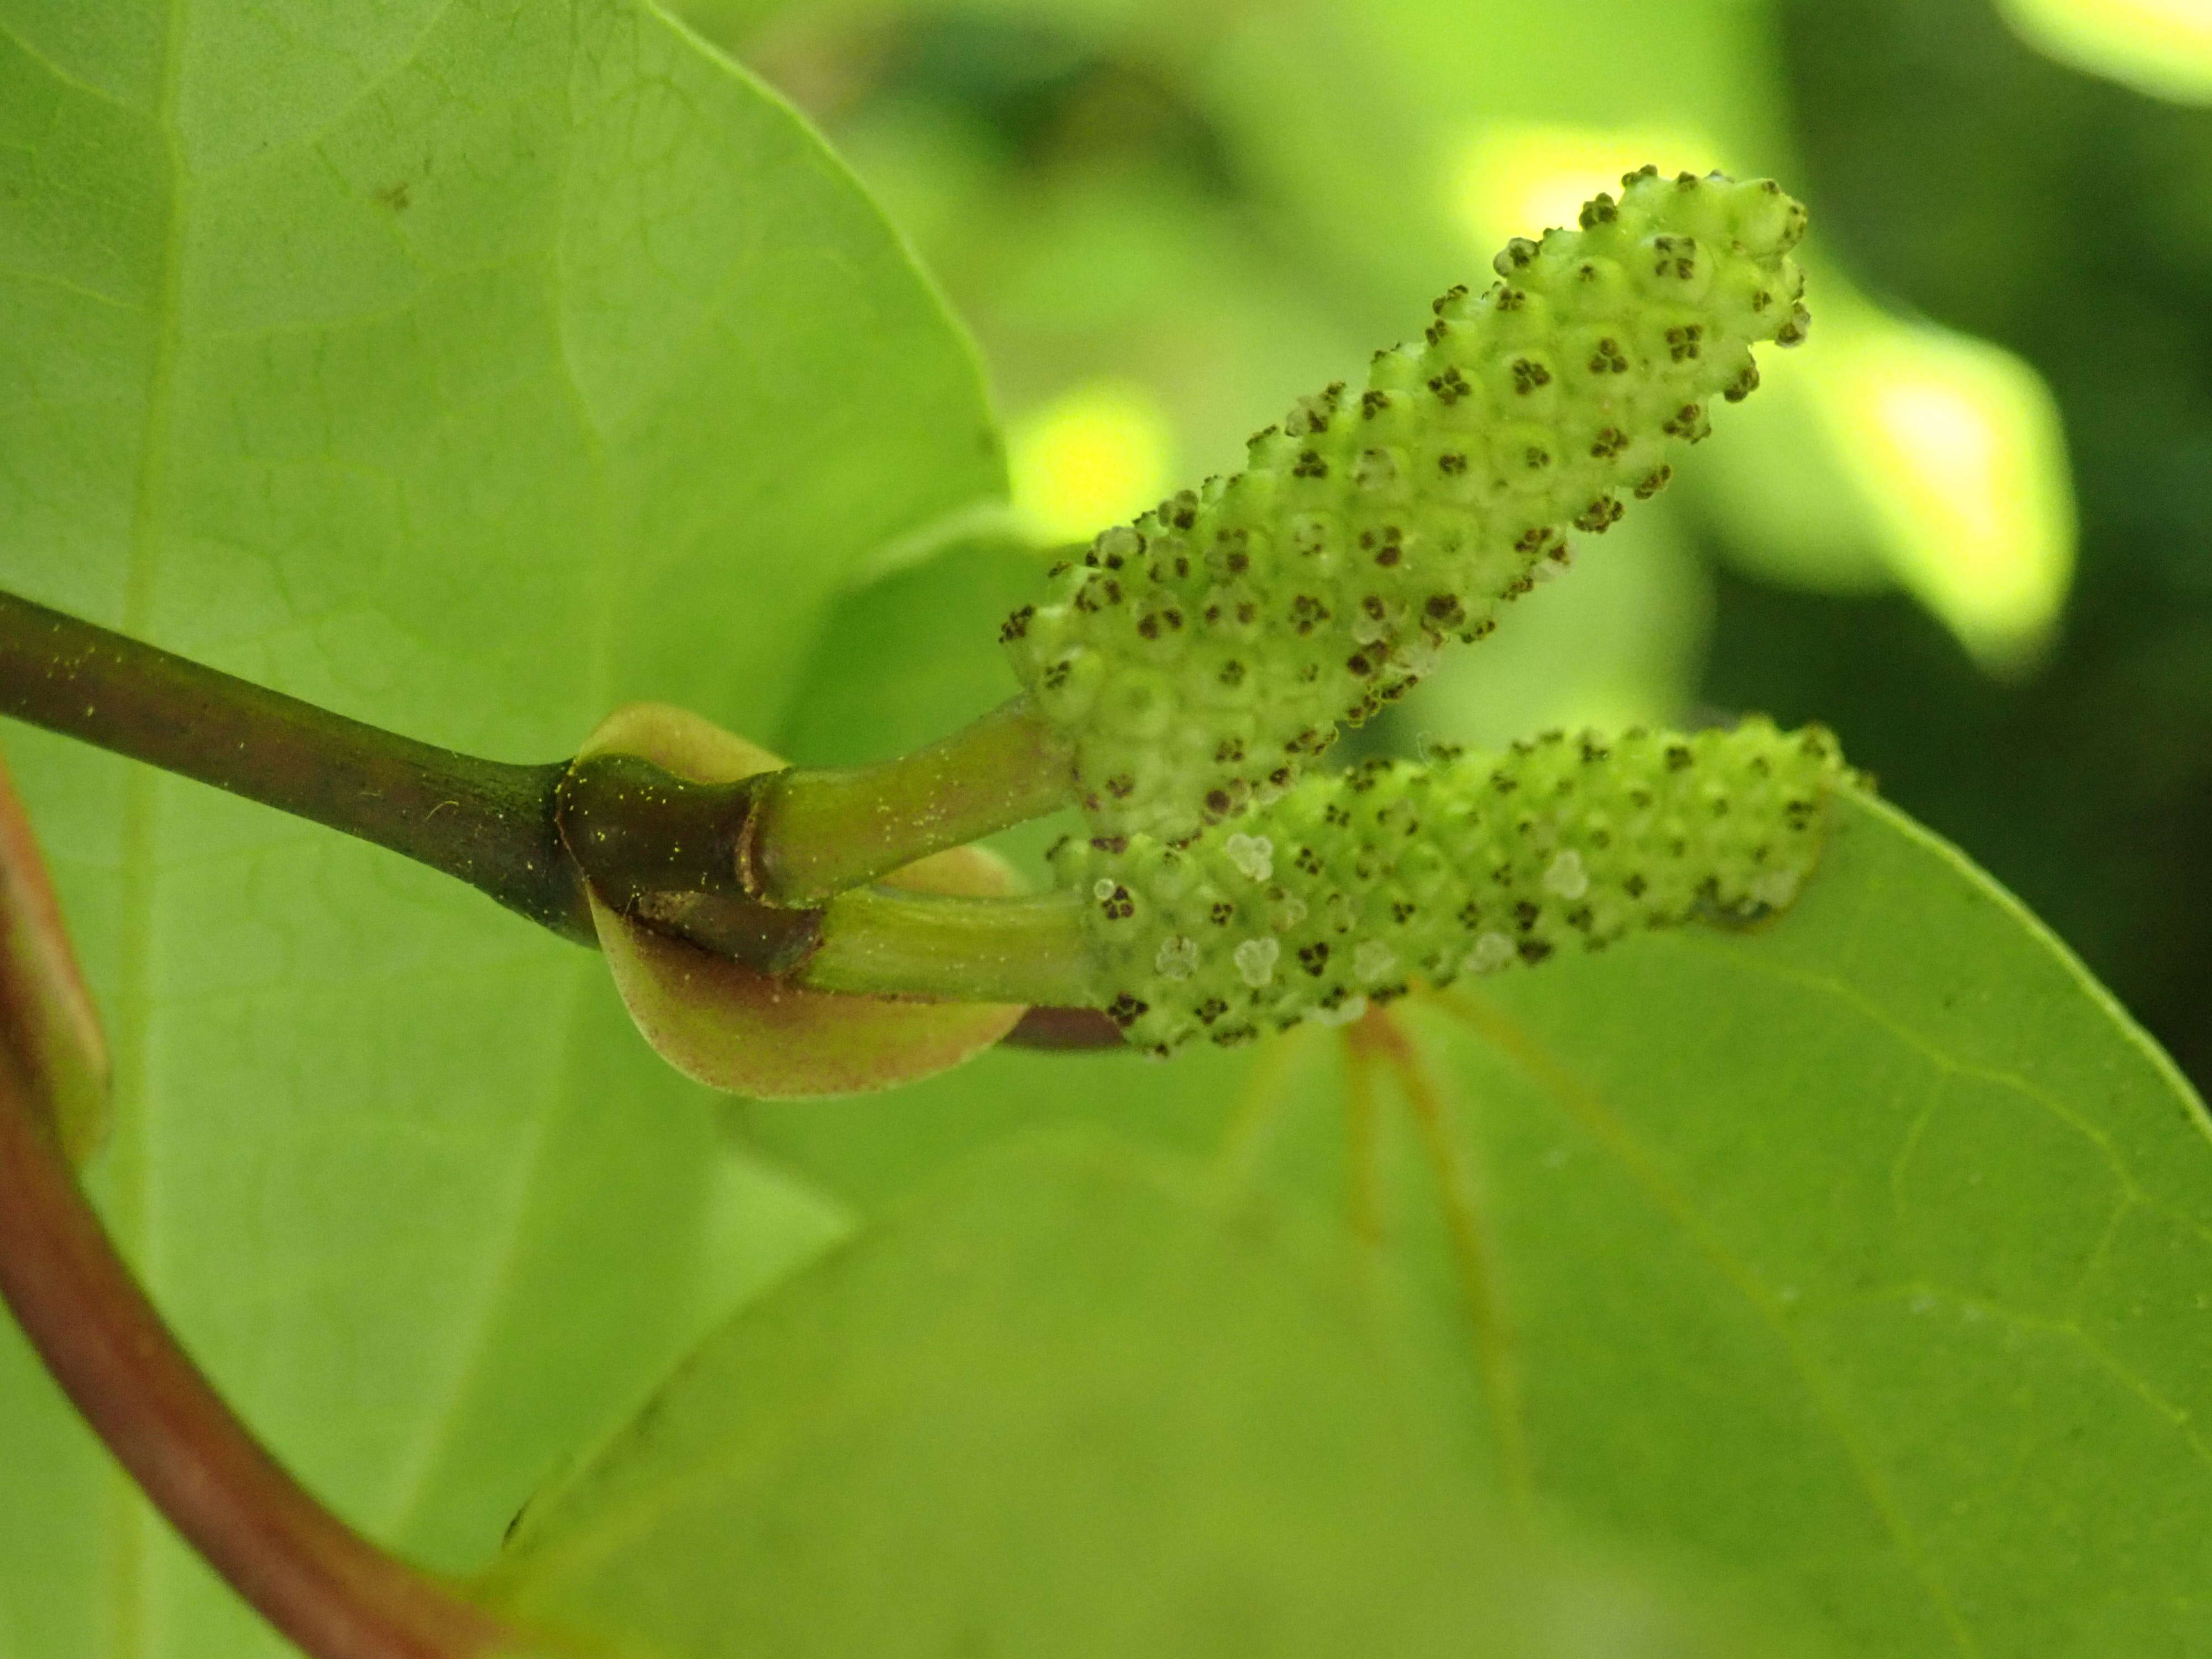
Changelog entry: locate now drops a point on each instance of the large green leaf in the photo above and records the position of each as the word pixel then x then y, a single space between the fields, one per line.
pixel 468 367
pixel 1867 1257
pixel 1074 1404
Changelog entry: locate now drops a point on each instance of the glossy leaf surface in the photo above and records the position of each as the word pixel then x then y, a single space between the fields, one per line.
pixel 467 368
pixel 482 366
pixel 1071 1402
pixel 1867 1257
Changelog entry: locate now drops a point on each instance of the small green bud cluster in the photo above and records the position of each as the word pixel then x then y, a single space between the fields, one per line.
pixel 1200 657
pixel 1351 886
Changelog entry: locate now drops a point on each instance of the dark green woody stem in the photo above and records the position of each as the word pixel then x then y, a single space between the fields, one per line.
pixel 672 852
pixel 486 822
pixel 664 848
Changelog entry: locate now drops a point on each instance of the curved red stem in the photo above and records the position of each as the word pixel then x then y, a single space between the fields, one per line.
pixel 320 1583
pixel 316 1580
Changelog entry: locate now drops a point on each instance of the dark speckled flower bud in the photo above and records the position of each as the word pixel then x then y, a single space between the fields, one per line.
pixel 1200 657
pixel 1350 886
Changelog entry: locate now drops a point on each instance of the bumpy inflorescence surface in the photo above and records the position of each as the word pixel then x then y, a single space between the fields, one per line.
pixel 1352 885
pixel 1200 657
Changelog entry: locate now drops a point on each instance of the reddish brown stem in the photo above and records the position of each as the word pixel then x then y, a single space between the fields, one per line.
pixel 1065 1030
pixel 323 1586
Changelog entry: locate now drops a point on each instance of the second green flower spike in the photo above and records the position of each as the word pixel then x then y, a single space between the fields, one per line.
pixel 1355 885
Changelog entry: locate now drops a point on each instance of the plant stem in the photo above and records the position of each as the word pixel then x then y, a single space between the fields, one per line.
pixel 664 848
pixel 674 853
pixel 320 1584
pixel 888 941
pixel 817 831
pixel 1065 1031
pixel 489 822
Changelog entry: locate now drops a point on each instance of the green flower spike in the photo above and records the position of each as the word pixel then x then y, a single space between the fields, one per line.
pixel 1351 884
pixel 1197 658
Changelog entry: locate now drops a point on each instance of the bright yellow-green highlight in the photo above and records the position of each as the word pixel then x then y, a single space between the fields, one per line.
pixel 1093 457
pixel 1953 447
pixel 1514 178
pixel 2163 47
pixel 1958 449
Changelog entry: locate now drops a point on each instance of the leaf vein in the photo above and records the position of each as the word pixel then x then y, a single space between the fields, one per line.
pixel 1576 1101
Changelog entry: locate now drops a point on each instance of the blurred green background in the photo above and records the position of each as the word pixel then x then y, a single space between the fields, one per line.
pixel 1969 525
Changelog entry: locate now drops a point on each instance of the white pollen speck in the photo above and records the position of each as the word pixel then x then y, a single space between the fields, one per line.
pixel 1375 470
pixel 1566 877
pixel 1373 959
pixel 1255 961
pixel 1253 854
pixel 1775 888
pixel 1120 542
pixel 1343 1014
pixel 1492 951
pixel 1290 911
pixel 1103 888
pixel 1177 957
